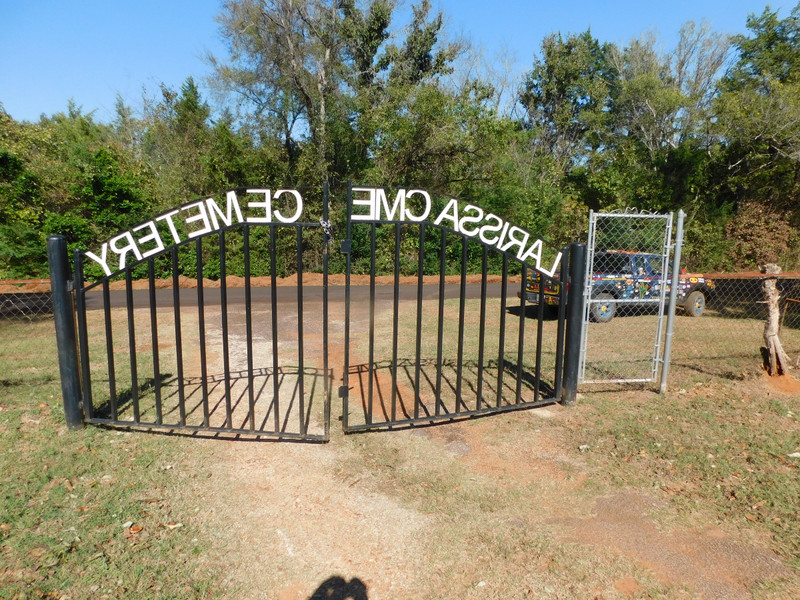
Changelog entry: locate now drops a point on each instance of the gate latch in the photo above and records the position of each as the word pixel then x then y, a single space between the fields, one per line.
pixel 327 228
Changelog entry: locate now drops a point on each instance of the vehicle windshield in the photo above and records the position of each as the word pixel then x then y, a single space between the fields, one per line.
pixel 616 264
pixel 656 265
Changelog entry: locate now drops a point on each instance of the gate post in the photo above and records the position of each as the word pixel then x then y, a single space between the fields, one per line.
pixel 65 329
pixel 673 295
pixel 572 349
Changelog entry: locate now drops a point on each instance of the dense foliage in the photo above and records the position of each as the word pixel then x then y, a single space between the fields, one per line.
pixel 318 92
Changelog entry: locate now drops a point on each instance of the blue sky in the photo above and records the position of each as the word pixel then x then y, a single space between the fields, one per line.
pixel 92 50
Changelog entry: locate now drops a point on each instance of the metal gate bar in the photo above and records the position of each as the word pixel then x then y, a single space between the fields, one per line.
pixel 274 323
pixel 300 352
pixel 176 304
pixel 395 317
pixel 201 327
pixel 418 346
pixel 440 330
pixel 112 378
pixel 521 341
pixel 461 308
pixel 501 345
pixel 482 329
pixel 132 347
pixel 371 319
pixel 154 338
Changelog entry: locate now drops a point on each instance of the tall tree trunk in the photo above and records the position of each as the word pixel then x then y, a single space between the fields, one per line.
pixel 776 358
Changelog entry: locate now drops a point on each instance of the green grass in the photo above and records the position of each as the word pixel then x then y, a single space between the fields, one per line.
pixel 720 445
pixel 715 448
pixel 72 502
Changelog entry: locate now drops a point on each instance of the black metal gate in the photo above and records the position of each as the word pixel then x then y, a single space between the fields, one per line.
pixel 184 353
pixel 445 348
pixel 160 346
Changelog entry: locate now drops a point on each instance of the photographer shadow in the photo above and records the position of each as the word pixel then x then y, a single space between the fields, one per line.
pixel 336 588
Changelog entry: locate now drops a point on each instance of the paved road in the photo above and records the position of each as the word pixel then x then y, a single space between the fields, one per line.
pixel 359 294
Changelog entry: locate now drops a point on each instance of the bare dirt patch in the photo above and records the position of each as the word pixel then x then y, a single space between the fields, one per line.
pixel 288 520
pixel 784 384
pixel 502 507
pixel 708 562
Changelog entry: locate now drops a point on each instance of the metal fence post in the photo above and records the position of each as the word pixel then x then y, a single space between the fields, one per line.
pixel 673 294
pixel 65 329
pixel 572 350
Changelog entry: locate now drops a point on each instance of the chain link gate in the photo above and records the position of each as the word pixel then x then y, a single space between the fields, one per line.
pixel 625 295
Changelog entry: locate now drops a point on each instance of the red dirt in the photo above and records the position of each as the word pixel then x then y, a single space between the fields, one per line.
pixel 785 384
pixel 751 275
pixel 627 586
pixel 709 562
pixel 27 287
pixel 38 286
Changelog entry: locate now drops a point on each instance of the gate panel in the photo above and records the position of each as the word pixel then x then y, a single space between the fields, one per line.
pixel 625 295
pixel 212 335
pixel 445 344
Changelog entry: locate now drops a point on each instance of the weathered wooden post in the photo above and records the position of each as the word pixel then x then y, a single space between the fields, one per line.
pixel 775 358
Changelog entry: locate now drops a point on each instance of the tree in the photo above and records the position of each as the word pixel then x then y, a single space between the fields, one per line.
pixel 287 58
pixel 758 117
pixel 175 139
pixel 759 235
pixel 316 73
pixel 758 112
pixel 64 175
pixel 662 100
pixel 21 243
pixel 567 96
pixel 769 54
pixel 647 100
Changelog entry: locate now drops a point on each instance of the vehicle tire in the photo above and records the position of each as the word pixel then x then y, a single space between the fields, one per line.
pixel 603 308
pixel 695 304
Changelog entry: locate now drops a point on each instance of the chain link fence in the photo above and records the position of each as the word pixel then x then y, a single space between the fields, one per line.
pixel 719 335
pixel 719 321
pixel 726 341
pixel 26 314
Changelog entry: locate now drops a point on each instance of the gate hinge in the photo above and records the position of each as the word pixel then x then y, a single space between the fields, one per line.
pixel 70 285
pixel 344 391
